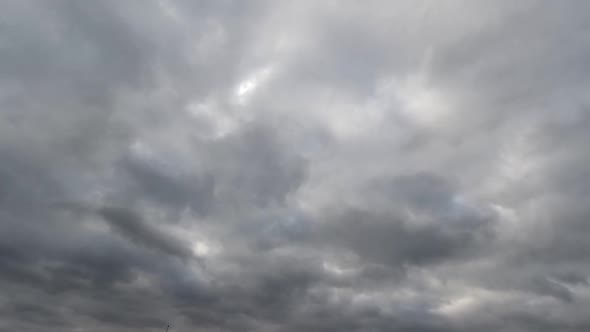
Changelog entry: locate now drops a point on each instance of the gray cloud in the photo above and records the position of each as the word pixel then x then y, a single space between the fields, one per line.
pixel 289 166
pixel 132 226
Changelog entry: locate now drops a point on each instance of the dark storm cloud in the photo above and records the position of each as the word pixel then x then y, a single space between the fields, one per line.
pixel 290 166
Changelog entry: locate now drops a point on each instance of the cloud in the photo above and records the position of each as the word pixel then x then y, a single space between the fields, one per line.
pixel 288 166
pixel 130 225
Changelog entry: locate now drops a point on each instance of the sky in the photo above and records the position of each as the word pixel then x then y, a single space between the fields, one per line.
pixel 287 166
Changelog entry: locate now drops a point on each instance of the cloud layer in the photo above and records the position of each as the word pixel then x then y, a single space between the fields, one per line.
pixel 294 166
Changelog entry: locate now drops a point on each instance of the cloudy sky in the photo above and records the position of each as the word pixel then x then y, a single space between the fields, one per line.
pixel 294 165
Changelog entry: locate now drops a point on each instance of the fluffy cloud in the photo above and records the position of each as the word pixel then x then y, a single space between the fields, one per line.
pixel 290 166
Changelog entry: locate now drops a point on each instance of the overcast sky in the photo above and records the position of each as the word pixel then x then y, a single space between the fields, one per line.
pixel 294 166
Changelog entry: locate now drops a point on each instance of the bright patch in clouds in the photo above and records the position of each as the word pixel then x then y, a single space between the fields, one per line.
pixel 248 86
pixel 422 103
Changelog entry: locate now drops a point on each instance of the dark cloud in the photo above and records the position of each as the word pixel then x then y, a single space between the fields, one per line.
pixel 290 166
pixel 392 242
pixel 133 227
pixel 177 191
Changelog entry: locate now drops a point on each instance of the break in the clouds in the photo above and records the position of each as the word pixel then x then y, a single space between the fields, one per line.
pixel 294 166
